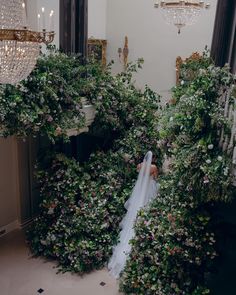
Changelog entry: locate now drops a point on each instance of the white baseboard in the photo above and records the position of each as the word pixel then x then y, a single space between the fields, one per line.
pixel 27 223
pixel 6 229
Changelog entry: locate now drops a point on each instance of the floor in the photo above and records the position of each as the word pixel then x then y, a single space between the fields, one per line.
pixel 20 274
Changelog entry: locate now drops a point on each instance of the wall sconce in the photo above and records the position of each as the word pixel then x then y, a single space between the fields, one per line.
pixel 124 53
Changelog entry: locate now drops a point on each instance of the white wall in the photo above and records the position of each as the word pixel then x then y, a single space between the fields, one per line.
pixel 151 38
pixel 31 7
pixel 97 18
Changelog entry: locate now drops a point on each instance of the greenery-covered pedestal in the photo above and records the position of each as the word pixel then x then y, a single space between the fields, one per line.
pixel 89 114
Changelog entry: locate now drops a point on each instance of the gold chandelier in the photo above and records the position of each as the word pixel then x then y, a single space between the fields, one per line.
pixel 181 13
pixel 19 46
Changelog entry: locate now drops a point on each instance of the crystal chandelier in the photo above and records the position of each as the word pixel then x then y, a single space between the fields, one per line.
pixel 19 46
pixel 181 13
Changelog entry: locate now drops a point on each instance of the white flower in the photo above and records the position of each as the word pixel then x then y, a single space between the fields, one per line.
pixel 226 171
pixel 202 72
pixel 182 82
pixel 180 183
pixel 126 157
pixel 43 242
pixel 208 161
pixel 53 237
pixel 171 119
pixel 210 147
pixel 219 158
pixel 139 133
pixel 50 211
pixel 206 180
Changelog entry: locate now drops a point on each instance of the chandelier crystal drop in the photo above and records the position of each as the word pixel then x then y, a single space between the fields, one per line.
pixel 19 46
pixel 181 13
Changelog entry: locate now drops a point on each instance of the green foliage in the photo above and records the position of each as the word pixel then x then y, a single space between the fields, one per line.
pixel 120 104
pixel 50 100
pixel 171 248
pixel 192 129
pixel 80 214
pixel 174 245
pixel 84 204
pixel 192 67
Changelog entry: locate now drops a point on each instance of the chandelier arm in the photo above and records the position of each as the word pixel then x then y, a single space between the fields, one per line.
pixel 26 36
pixel 178 4
pixel 182 3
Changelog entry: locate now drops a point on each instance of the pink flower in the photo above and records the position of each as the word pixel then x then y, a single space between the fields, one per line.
pixel 58 131
pixel 49 118
pixel 206 179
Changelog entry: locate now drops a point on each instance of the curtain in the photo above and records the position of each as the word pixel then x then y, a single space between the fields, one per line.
pixel 74 26
pixel 224 37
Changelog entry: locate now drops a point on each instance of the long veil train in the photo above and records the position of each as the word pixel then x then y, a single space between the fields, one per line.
pixel 144 190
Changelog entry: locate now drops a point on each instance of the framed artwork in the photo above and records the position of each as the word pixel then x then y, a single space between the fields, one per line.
pixel 97 49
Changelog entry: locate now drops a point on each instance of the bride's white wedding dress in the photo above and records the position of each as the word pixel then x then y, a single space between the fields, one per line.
pixel 145 189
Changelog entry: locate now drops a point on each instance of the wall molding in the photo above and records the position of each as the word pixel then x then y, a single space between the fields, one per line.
pixel 6 229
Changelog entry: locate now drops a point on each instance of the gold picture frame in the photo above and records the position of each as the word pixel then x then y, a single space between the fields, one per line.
pixel 97 49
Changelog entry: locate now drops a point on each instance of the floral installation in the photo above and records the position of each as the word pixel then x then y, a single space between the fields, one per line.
pixel 171 249
pixel 175 244
pixel 50 100
pixel 83 204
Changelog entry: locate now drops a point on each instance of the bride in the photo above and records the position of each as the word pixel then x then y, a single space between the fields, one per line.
pixel 145 189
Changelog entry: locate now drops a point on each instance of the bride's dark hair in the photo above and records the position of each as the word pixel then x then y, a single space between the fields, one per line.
pixel 154 159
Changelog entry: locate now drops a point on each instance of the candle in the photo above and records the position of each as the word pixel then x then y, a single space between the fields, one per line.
pixel 43 18
pixel 24 14
pixel 39 22
pixel 51 21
